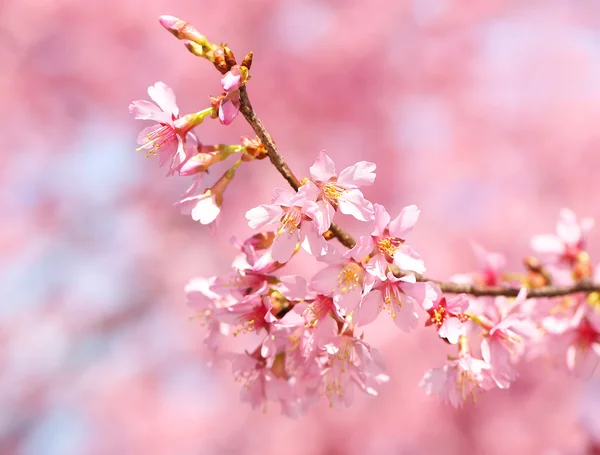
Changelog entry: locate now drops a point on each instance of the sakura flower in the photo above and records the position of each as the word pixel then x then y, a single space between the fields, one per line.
pixel 288 212
pixel 400 297
pixel 569 241
pixel 448 316
pixel 205 302
pixel 386 244
pixel 206 207
pixel 261 383
pixel 459 379
pixel 346 282
pixel 351 362
pixel 341 192
pixel 502 343
pixel 582 341
pixel 168 137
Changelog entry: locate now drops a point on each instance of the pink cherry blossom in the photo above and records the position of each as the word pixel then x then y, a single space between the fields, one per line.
pixel 350 363
pixel 502 345
pixel 386 244
pixel 205 207
pixel 341 192
pixel 459 379
pixel 400 297
pixel 346 281
pixel 288 213
pixel 169 136
pixel 448 316
pixel 569 241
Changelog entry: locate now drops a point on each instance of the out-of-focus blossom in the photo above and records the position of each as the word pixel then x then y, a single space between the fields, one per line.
pixel 459 379
pixel 569 241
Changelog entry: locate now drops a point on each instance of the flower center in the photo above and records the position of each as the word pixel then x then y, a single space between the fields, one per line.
pixel 388 246
pixel 391 299
pixel 251 321
pixel 290 222
pixel 332 192
pixel 349 278
pixel 158 139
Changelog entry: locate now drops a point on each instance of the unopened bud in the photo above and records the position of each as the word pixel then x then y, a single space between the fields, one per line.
pixel 183 30
pixel 255 149
pixel 247 62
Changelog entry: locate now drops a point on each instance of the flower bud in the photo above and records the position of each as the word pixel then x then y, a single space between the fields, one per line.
pixel 183 30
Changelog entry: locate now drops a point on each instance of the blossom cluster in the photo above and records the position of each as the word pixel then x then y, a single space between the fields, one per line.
pixel 305 332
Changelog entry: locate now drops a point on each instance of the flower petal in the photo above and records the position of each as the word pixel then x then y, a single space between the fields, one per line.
pixel 353 203
pixel 360 174
pixel 405 222
pixel 263 215
pixel 323 169
pixel 408 259
pixel 162 95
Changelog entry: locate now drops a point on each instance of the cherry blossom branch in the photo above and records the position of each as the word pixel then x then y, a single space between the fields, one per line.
pixel 497 291
pixel 346 239
pixel 279 163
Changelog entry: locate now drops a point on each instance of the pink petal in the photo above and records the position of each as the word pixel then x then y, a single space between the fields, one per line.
pixel 323 169
pixel 425 294
pixel 325 281
pixel 312 242
pixel 369 308
pixel 162 95
pixel 232 80
pixel 361 174
pixel 145 110
pixel 381 221
pixel 308 192
pixel 284 246
pixel 228 109
pixel 567 227
pixel 353 203
pixel 548 244
pixel 451 330
pixel 205 210
pixel 348 301
pixel 408 259
pixel 377 267
pixel 294 287
pixel 405 222
pixel 321 213
pixel 407 318
pixel 457 304
pixel 143 136
pixel 364 246
pixel 282 196
pixel 263 215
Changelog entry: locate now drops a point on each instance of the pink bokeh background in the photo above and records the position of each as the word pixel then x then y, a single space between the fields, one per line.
pixel 484 114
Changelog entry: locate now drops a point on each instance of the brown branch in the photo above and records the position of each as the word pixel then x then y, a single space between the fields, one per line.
pixel 506 291
pixel 347 240
pixel 278 161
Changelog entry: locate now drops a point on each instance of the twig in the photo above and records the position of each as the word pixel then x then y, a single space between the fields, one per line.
pixel 278 161
pixel 347 240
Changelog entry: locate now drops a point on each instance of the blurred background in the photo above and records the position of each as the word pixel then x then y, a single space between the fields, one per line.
pixel 485 114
